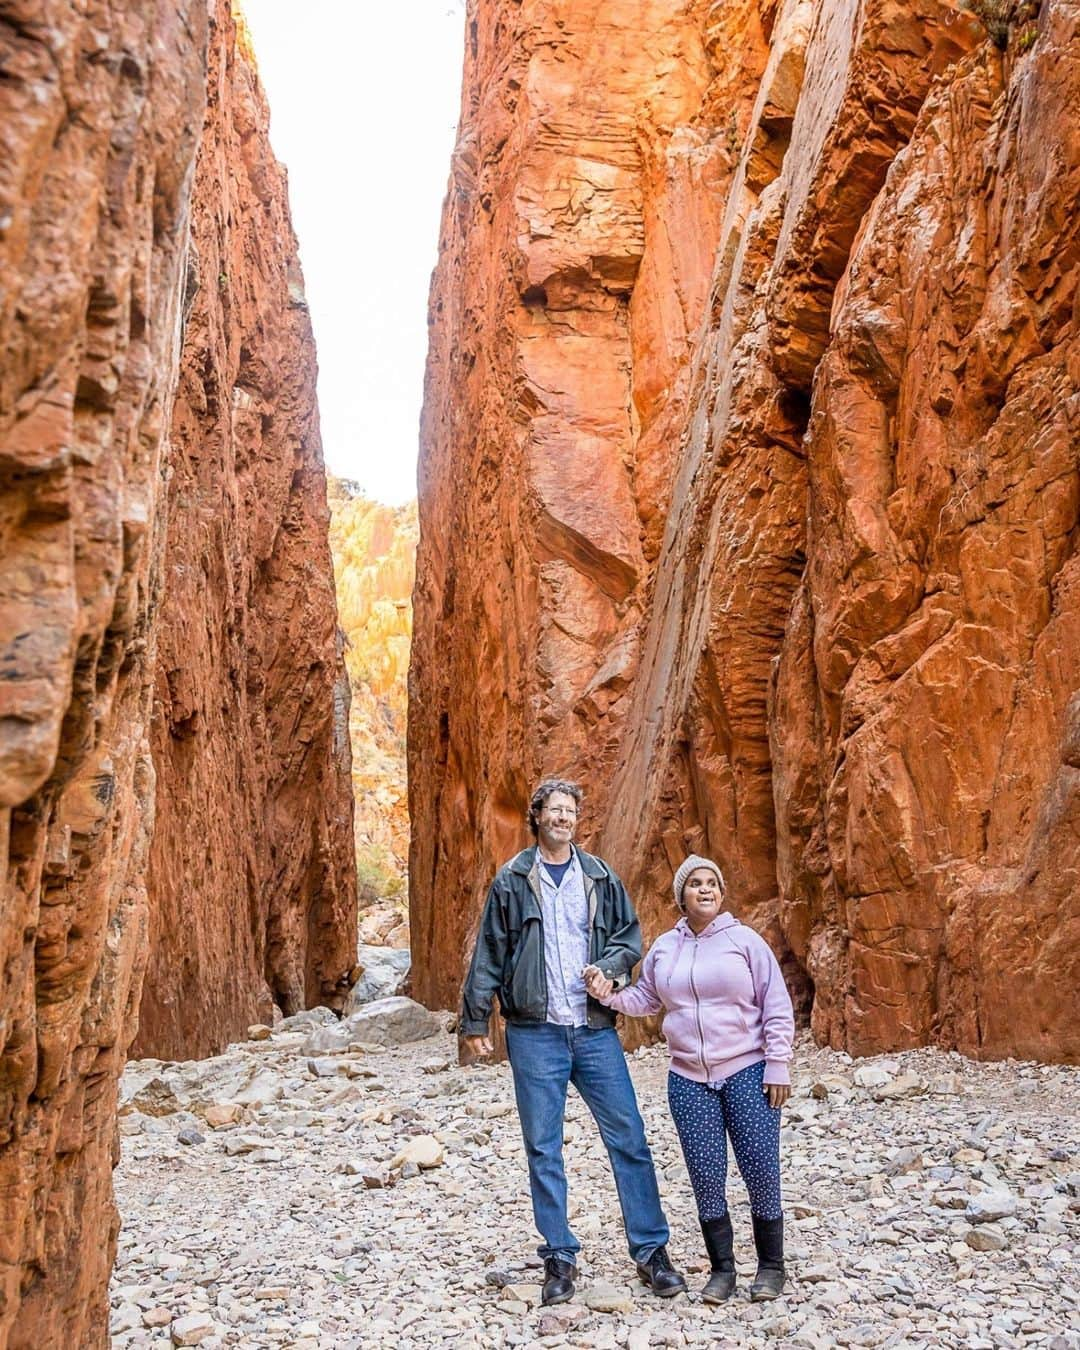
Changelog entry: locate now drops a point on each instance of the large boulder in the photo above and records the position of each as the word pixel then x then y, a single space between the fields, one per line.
pixel 392 1021
pixel 385 969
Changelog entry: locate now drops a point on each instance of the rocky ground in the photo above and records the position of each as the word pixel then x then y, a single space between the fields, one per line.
pixel 318 1190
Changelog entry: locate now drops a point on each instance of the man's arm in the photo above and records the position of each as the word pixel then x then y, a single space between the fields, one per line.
pixel 623 949
pixel 485 969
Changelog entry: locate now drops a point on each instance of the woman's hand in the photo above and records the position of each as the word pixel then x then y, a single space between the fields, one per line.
pixel 478 1046
pixel 777 1093
pixel 597 983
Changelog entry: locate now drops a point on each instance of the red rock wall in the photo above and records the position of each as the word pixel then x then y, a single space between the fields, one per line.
pixel 926 699
pixel 668 561
pixel 101 115
pixel 251 865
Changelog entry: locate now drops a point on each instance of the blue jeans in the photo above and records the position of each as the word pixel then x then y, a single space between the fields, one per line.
pixel 706 1117
pixel 545 1058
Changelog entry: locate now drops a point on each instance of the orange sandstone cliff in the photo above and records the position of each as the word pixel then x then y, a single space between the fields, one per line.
pixel 749 491
pixel 251 863
pixel 118 483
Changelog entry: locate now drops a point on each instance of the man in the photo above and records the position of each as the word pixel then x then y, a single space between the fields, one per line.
pixel 551 913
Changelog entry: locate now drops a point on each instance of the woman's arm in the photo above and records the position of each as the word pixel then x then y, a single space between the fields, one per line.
pixel 640 999
pixel 777 1017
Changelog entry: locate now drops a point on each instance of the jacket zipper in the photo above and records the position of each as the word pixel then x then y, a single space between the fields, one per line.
pixel 697 1009
pixel 590 893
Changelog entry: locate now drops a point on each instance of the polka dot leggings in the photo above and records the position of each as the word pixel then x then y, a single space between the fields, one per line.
pixel 705 1114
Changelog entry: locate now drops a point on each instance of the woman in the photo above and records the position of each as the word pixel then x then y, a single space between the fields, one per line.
pixel 729 1028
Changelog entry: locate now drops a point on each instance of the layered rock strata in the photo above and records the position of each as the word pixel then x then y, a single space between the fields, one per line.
pixel 690 514
pixel 251 865
pixel 101 115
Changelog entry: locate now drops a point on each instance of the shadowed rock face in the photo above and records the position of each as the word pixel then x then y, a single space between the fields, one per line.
pixel 101 116
pixel 765 538
pixel 251 865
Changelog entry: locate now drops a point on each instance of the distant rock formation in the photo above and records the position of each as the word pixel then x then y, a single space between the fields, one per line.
pixel 749 491
pixel 374 549
pixel 174 778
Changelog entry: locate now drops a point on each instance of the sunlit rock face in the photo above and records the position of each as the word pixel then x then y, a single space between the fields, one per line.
pixel 105 316
pixel 101 112
pixel 374 551
pixel 251 866
pixel 748 495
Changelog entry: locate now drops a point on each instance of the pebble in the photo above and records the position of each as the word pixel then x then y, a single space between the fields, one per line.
pixel 988 1205
pixel 332 1244
pixel 424 1151
pixel 986 1239
pixel 608 1298
pixel 192 1329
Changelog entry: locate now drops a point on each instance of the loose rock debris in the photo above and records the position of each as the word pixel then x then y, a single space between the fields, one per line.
pixel 931 1201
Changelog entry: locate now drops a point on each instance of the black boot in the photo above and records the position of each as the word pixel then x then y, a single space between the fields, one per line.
pixel 769 1241
pixel 660 1275
pixel 558 1281
pixel 719 1244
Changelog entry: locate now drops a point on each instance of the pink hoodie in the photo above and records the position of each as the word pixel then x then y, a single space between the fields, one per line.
pixel 727 1006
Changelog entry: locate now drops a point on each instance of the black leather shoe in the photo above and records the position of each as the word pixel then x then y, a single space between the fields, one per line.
pixel 660 1275
pixel 558 1281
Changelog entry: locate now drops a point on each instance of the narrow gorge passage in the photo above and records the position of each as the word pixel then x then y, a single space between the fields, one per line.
pixel 748 497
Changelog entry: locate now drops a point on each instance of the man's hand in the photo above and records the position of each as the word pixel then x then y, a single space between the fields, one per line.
pixel 596 982
pixel 777 1093
pixel 478 1046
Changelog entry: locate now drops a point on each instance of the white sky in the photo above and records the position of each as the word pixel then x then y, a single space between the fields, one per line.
pixel 363 105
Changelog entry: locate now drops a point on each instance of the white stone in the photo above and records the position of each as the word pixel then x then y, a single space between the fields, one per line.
pixel 870 1076
pixel 608 1298
pixel 424 1150
pixel 192 1329
pixel 384 973
pixel 392 1021
pixel 990 1205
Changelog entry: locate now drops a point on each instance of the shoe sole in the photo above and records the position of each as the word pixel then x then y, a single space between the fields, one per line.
pixel 718 1298
pixel 664 1293
pixel 562 1298
pixel 766 1297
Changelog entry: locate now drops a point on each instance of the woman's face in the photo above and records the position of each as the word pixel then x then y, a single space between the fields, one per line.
pixel 702 897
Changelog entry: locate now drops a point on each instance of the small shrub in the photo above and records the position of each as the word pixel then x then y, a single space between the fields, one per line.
pixel 998 16
pixel 377 875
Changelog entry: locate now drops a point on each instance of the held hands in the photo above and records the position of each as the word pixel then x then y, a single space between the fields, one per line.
pixel 478 1046
pixel 777 1093
pixel 596 982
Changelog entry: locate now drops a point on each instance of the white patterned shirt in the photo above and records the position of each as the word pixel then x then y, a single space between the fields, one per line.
pixel 566 943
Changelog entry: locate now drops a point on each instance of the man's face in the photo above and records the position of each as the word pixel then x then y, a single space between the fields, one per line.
pixel 557 820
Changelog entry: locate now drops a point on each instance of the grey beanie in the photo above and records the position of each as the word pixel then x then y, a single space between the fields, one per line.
pixel 689 865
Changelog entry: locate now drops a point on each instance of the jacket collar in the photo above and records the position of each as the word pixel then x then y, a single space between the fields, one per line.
pixel 722 921
pixel 526 860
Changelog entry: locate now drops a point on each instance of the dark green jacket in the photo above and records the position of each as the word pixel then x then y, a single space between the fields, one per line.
pixel 508 960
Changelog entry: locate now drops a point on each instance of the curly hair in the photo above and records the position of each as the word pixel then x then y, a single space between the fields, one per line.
pixel 542 792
